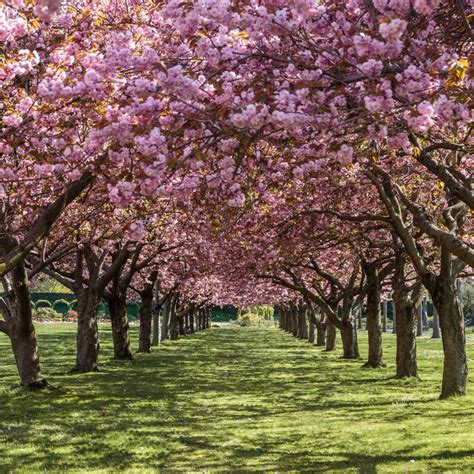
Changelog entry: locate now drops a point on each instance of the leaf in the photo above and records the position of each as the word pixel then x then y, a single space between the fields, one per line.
pixel 457 72
pixel 242 35
pixel 100 20
pixel 416 152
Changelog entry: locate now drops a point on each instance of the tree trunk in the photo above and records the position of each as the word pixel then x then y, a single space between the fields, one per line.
pixel 174 326
pixel 374 327
pixel 321 328
pixel 451 320
pixel 406 322
pixel 330 336
pixel 165 319
pixel 350 346
pixel 359 317
pixel 286 319
pixel 302 327
pixel 419 320
pixel 22 333
pixel 311 330
pixel 294 321
pixel 394 316
pixel 155 341
pixel 384 315
pixel 145 314
pixel 406 339
pixel 290 320
pixel 281 318
pixel 182 323
pixel 436 329
pixel 87 331
pixel 424 313
pixel 198 319
pixel 120 327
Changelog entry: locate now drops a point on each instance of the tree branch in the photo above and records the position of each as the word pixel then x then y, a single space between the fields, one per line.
pixel 43 224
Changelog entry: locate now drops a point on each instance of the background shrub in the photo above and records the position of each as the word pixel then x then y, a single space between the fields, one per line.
pixel 46 314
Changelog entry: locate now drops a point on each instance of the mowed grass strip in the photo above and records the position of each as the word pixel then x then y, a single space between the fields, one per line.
pixel 232 399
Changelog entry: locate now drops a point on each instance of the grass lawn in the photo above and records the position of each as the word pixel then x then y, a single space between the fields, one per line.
pixel 232 399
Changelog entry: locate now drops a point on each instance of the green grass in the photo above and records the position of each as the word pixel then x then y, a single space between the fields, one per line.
pixel 232 399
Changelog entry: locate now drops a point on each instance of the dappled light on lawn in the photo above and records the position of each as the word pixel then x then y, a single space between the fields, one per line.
pixel 232 399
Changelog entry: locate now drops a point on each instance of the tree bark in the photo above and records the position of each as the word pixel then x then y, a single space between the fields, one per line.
pixel 281 319
pixel 22 333
pixel 302 327
pixel 294 321
pixel 182 326
pixel 419 320
pixel 156 330
pixel 424 313
pixel 374 327
pixel 384 315
pixel 359 317
pixel 120 327
pixel 436 329
pixel 287 319
pixel 145 314
pixel 451 321
pixel 165 319
pixel 330 336
pixel 406 322
pixel 87 331
pixel 350 346
pixel 16 253
pixel 198 320
pixel 406 339
pixel 206 320
pixel 321 329
pixel 394 318
pixel 173 323
pixel 311 330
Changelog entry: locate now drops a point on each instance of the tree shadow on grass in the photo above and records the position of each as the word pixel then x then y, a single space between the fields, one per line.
pixel 227 399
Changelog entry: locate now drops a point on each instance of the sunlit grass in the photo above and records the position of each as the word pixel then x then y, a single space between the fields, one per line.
pixel 232 399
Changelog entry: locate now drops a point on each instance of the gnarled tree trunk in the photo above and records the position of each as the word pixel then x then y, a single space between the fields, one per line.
pixel 406 322
pixel 453 335
pixel 350 346
pixel 321 329
pixel 145 314
pixel 302 326
pixel 406 338
pixel 330 336
pixel 374 327
pixel 22 332
pixel 87 331
pixel 120 327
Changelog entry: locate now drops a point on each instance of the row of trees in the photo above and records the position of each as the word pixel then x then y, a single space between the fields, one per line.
pixel 241 152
